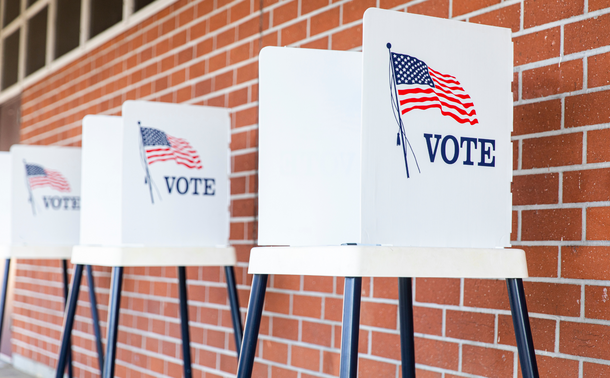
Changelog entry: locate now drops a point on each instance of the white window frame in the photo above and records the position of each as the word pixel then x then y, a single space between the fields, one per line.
pixel 20 23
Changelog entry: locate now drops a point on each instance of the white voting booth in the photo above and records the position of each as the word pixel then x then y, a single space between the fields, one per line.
pixel 393 162
pixel 155 192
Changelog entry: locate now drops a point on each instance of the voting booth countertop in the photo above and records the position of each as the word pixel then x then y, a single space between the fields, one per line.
pixel 40 202
pixel 401 145
pixel 156 187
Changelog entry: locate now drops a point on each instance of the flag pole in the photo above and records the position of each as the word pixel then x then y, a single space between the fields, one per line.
pixel 145 162
pixel 27 184
pixel 397 108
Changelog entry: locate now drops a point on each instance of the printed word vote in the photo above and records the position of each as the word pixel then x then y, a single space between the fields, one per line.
pixel 203 186
pixel 58 203
pixel 466 147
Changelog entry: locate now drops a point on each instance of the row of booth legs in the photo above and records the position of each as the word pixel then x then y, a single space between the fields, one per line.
pixel 246 349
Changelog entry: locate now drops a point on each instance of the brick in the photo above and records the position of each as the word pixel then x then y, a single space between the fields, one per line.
pixel 598 222
pixel 556 367
pixel 309 306
pixel 515 155
pixel 470 326
pixel 277 302
pixel 278 372
pixel 554 79
pixel 385 345
pixel 312 5
pixel 466 6
pixel 587 340
pixel 552 151
pixel 539 12
pixel 381 315
pixel 434 8
pixel 428 320
pixel 586 186
pixel 506 17
pixel 375 369
pixel 325 21
pixel 551 224
pixel 285 13
pixel 543 332
pixel 316 333
pixel 487 362
pixel 597 73
pixel 293 33
pixel 305 358
pixel 438 290
pixel 318 284
pixel 597 302
pixel 585 262
pixel 354 10
pixel 287 282
pixel 595 370
pixel 535 189
pixel 436 353
pixel 330 363
pixel 587 109
pixel 598 150
pixel 347 39
pixel 542 261
pixel 537 117
pixel 285 328
pixel 553 298
pixel 537 46
pixel 486 294
pixel 587 34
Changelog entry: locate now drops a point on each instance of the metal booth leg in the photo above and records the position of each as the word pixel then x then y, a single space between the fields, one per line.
pixel 351 326
pixel 405 314
pixel 95 318
pixel 66 288
pixel 523 332
pixel 184 322
pixel 7 268
pixel 113 321
pixel 234 302
pixel 64 349
pixel 253 324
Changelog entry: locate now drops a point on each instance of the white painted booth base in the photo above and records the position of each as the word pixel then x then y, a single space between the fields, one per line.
pixel 153 256
pixel 63 252
pixel 377 261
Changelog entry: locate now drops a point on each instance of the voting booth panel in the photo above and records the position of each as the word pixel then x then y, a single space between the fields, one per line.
pixel 153 177
pixel 5 198
pixel 403 159
pixel 45 195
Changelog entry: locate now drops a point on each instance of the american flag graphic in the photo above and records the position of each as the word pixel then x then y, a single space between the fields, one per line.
pixel 39 177
pixel 421 87
pixel 160 146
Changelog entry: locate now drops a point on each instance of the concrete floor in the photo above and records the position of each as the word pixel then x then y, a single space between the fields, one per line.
pixel 7 371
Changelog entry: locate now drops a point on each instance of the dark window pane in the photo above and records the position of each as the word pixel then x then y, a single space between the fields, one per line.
pixel 67 26
pixel 104 14
pixel 12 8
pixel 36 48
pixel 139 4
pixel 30 2
pixel 10 120
pixel 10 60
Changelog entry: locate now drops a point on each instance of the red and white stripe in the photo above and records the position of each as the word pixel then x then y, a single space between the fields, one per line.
pixel 180 150
pixel 448 96
pixel 53 179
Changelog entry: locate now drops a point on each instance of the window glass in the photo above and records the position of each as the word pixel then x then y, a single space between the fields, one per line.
pixel 10 59
pixel 36 47
pixel 104 14
pixel 67 26
pixel 139 4
pixel 12 8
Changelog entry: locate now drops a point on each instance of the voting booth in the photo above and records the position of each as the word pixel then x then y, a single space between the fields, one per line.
pixel 155 192
pixel 393 162
pixel 40 208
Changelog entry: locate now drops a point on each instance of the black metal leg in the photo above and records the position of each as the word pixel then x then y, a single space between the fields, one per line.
pixel 66 288
pixel 95 318
pixel 113 321
pixel 234 302
pixel 64 350
pixel 351 327
pixel 407 340
pixel 523 332
pixel 253 324
pixel 184 322
pixel 7 268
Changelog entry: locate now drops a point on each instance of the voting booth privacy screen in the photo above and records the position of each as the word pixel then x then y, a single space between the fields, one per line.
pixel 5 198
pixel 404 144
pixel 157 176
pixel 44 196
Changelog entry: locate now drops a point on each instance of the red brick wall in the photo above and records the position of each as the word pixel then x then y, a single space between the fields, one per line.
pixel 205 52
